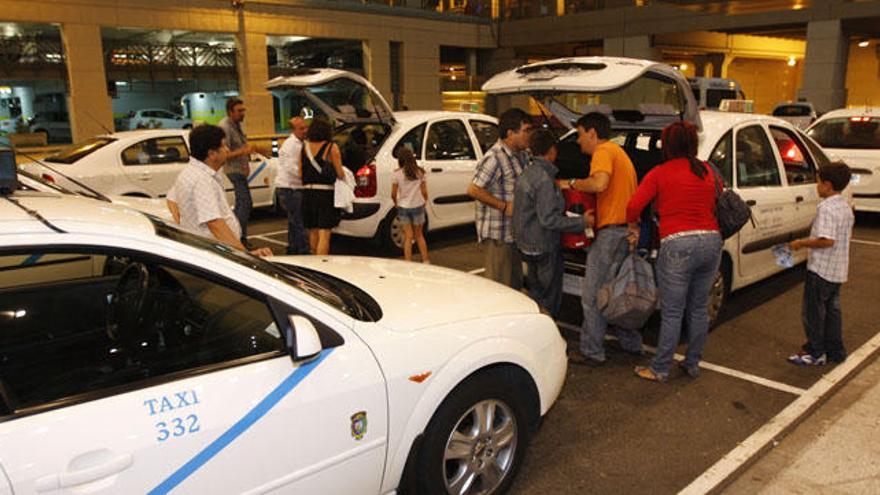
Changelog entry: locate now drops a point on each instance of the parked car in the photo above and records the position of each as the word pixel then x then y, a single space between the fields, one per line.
pixel 446 144
pixel 797 113
pixel 853 135
pixel 142 163
pixel 150 206
pixel 156 118
pixel 769 162
pixel 55 125
pixel 137 358
pixel 709 92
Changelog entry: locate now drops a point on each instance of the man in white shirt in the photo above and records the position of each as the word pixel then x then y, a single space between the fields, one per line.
pixel 197 200
pixel 288 186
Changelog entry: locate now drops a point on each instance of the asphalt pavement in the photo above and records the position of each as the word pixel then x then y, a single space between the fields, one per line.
pixel 611 432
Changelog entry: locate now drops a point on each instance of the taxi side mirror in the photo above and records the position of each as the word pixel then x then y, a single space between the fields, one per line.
pixel 303 341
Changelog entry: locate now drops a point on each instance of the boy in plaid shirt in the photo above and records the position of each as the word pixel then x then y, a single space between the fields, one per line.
pixel 827 267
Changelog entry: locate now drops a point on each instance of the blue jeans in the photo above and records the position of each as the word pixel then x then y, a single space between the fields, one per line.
pixel 545 279
pixel 823 322
pixel 608 247
pixel 291 201
pixel 686 269
pixel 243 202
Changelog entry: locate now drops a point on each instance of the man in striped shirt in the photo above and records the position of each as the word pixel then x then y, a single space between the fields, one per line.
pixel 493 188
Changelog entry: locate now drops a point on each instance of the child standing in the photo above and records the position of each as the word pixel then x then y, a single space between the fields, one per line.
pixel 827 267
pixel 409 191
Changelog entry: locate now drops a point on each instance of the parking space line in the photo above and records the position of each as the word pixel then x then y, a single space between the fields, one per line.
pixel 871 243
pixel 715 367
pixel 715 478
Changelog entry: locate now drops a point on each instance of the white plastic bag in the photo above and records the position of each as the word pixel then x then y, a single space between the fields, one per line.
pixel 343 192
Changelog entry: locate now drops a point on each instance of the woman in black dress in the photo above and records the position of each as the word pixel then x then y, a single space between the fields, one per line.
pixel 321 166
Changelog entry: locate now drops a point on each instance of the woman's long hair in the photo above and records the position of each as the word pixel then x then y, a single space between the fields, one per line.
pixel 407 161
pixel 680 140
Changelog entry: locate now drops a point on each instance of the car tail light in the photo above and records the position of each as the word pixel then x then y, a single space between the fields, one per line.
pixel 365 181
pixel 49 178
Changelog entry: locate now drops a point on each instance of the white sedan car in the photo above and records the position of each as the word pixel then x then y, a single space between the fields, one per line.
pixel 771 164
pixel 156 118
pixel 853 135
pixel 136 358
pixel 142 163
pixel 446 144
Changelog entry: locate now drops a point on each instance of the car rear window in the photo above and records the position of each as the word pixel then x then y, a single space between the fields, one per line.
pixel 75 152
pixel 791 111
pixel 847 133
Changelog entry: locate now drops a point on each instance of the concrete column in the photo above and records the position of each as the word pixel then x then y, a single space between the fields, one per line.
pixel 631 46
pixel 88 104
pixel 824 82
pixel 504 59
pixel 253 72
pixel 377 62
pixel 421 75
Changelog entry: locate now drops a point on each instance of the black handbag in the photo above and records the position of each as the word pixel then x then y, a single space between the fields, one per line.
pixel 731 211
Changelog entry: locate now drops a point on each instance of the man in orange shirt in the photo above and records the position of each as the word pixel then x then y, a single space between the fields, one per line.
pixel 613 180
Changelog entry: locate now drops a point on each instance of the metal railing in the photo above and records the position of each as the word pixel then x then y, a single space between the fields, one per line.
pixel 35 52
pixel 173 55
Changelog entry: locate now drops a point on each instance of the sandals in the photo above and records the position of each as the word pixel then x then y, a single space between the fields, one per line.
pixel 647 373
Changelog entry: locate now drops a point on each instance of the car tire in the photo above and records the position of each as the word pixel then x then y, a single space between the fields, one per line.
pixel 457 456
pixel 390 234
pixel 719 291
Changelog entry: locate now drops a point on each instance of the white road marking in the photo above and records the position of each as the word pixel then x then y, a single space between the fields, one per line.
pixel 715 367
pixel 872 243
pixel 477 271
pixel 266 239
pixel 714 478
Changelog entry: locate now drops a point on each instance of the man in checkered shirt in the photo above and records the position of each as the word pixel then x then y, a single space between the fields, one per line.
pixel 827 267
pixel 197 199
pixel 493 187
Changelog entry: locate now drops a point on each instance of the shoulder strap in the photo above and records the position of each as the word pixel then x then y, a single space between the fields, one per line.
pixel 311 157
pixel 717 174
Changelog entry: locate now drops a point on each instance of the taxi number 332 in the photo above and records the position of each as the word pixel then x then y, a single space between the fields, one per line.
pixel 177 427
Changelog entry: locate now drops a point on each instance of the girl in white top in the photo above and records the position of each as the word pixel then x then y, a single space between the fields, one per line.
pixel 409 191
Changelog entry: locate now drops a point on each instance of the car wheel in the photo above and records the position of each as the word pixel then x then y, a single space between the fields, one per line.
pixel 718 292
pixel 474 443
pixel 390 234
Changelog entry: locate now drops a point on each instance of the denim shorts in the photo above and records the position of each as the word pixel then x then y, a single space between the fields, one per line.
pixel 411 216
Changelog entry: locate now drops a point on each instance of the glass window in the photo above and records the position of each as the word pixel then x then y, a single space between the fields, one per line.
pixel 413 141
pixel 75 152
pixel 80 322
pixel 792 111
pixel 722 157
pixel 169 149
pixel 714 97
pixel 755 160
pixel 449 140
pixel 348 97
pixel 848 132
pixel 486 132
pixel 819 155
pixel 796 160
pixel 648 93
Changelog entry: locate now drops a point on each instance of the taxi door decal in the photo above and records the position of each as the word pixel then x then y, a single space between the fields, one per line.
pixel 242 425
pixel 256 172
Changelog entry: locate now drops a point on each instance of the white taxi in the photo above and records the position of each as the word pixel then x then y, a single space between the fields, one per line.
pixel 853 135
pixel 447 145
pixel 142 163
pixel 771 164
pixel 137 358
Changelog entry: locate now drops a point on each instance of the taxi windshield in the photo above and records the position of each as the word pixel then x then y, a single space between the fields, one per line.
pixel 861 133
pixel 328 289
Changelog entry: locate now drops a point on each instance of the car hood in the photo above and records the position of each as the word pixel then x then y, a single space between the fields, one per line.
pixel 634 93
pixel 344 96
pixel 413 296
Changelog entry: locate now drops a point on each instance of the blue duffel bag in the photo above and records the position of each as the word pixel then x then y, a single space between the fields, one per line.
pixel 630 298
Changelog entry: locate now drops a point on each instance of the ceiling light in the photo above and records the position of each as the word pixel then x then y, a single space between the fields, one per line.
pixel 683 66
pixel 864 44
pixel 792 61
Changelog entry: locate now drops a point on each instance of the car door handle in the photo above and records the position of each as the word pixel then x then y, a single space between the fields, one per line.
pixel 751 202
pixel 436 170
pixel 799 199
pixel 74 478
pixel 145 176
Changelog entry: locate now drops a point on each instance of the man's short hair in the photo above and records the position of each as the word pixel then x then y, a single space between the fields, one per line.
pixel 205 138
pixel 232 102
pixel 541 142
pixel 597 121
pixel 512 120
pixel 837 173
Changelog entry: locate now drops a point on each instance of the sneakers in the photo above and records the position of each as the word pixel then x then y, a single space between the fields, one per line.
pixel 806 359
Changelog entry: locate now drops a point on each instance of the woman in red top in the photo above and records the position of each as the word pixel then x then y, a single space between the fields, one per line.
pixel 683 189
